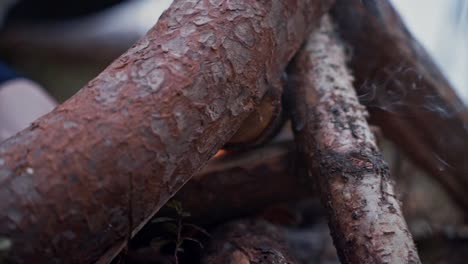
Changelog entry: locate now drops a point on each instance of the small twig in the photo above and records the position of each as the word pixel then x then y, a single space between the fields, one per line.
pixel 177 228
pixel 178 242
pixel 238 184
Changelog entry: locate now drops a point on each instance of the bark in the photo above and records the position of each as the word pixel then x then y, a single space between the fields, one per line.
pixel 406 94
pixel 249 242
pixel 365 217
pixel 240 184
pixel 82 180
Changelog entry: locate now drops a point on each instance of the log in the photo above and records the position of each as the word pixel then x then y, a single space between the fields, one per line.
pixel 365 217
pixel 81 181
pixel 239 184
pixel 249 241
pixel 405 92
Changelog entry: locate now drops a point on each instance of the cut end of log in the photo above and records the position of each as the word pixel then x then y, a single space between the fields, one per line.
pixel 261 125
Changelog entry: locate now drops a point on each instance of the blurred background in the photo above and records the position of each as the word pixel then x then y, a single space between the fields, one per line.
pixel 75 40
pixel 442 28
pixel 64 44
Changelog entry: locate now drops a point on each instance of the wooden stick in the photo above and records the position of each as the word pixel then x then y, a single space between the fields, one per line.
pixel 406 94
pixel 82 180
pixel 238 184
pixel 365 218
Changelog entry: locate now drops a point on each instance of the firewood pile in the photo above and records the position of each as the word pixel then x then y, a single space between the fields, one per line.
pixel 233 132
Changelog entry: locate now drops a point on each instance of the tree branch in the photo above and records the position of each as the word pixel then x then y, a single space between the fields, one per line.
pixel 85 178
pixel 238 184
pixel 365 218
pixel 406 94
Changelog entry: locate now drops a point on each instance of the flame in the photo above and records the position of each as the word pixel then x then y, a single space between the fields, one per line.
pixel 220 153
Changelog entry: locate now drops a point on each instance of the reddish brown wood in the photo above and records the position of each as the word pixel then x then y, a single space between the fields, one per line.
pixel 238 184
pixel 365 217
pixel 406 94
pixel 249 242
pixel 85 178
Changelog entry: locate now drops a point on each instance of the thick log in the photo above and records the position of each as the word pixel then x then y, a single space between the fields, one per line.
pixel 406 94
pixel 239 184
pixel 248 242
pixel 82 180
pixel 365 217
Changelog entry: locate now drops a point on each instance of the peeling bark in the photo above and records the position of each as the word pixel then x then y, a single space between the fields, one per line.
pixel 405 92
pixel 82 180
pixel 249 242
pixel 365 218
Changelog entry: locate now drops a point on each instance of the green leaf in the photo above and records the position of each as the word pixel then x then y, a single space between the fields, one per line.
pixel 193 240
pixel 199 229
pixel 162 220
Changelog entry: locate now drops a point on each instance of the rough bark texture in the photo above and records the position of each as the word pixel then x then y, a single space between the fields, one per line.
pixel 85 178
pixel 238 184
pixel 249 242
pixel 366 221
pixel 408 97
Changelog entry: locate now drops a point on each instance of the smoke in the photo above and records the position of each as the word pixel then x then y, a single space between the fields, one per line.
pixel 442 28
pixel 400 90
